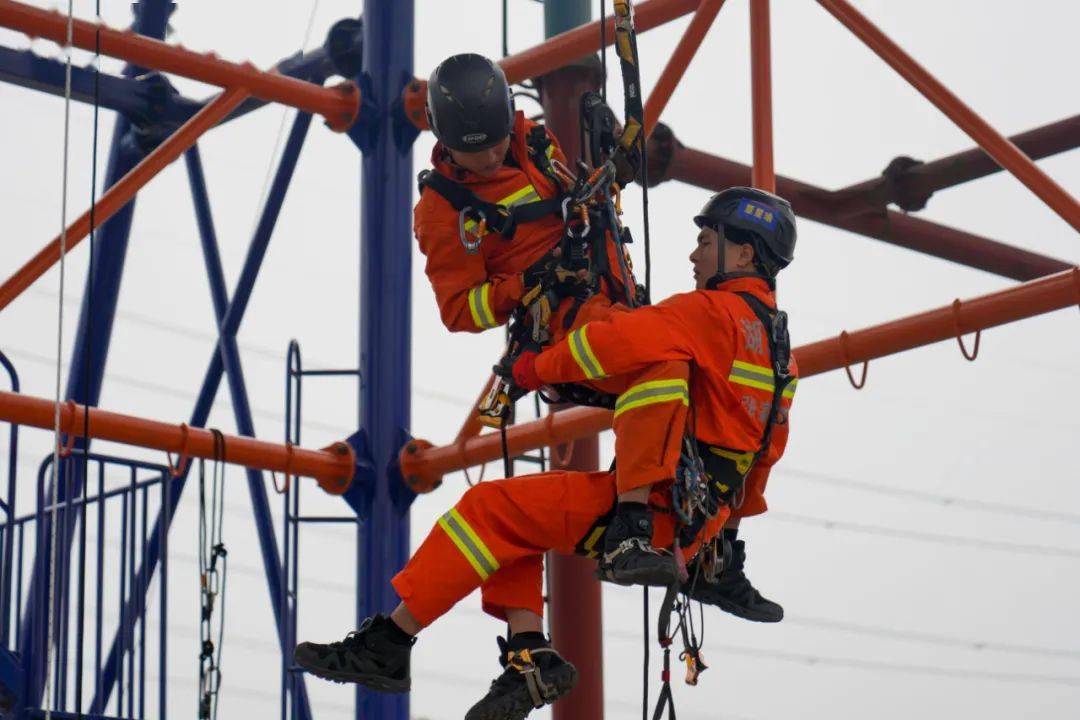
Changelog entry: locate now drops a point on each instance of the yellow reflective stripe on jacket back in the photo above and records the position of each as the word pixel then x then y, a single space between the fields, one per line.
pixel 654 391
pixel 521 196
pixel 758 376
pixel 583 354
pixel 480 307
pixel 469 543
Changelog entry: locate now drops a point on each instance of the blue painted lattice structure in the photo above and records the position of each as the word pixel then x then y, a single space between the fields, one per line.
pixel 376 52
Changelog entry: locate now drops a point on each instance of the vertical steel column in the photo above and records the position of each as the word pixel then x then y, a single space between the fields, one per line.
pixel 764 175
pixel 91 344
pixel 385 301
pixel 574 593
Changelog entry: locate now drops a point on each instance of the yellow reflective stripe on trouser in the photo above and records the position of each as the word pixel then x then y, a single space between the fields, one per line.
pixel 521 196
pixel 758 376
pixel 654 391
pixel 583 354
pixel 469 543
pixel 480 307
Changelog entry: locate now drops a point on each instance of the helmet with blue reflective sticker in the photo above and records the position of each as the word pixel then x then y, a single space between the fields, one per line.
pixel 749 215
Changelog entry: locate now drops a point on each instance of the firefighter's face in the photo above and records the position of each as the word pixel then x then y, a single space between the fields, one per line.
pixel 484 163
pixel 706 256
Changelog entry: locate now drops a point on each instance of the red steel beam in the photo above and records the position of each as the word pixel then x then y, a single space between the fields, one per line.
pixel 332 467
pixel 764 174
pixel 339 105
pixel 912 186
pixel 996 145
pixel 674 161
pixel 680 60
pixel 1026 300
pixel 558 51
pixel 123 191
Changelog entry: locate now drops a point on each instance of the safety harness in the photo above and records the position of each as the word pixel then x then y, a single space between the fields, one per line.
pixel 477 217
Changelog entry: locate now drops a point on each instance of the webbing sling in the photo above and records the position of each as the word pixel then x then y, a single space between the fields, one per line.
pixel 776 334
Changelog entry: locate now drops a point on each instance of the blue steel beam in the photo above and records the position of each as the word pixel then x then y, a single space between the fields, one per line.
pixel 150 99
pixel 385 279
pixel 229 326
pixel 91 344
pixel 234 373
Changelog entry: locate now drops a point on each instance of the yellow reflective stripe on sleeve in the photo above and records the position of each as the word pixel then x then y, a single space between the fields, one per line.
pixel 789 391
pixel 583 354
pixel 480 307
pixel 469 544
pixel 649 393
pixel 550 150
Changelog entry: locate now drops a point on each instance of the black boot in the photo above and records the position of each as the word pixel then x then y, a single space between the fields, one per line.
pixel 629 557
pixel 732 591
pixel 534 675
pixel 375 656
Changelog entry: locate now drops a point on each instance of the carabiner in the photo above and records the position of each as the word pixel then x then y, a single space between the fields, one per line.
pixel 471 246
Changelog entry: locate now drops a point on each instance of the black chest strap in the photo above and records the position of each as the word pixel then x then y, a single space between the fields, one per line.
pixel 776 334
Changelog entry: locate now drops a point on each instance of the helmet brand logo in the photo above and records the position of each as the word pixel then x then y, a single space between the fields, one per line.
pixel 473 138
pixel 757 213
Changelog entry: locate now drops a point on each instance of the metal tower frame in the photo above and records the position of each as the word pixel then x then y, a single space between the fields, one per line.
pixel 379 469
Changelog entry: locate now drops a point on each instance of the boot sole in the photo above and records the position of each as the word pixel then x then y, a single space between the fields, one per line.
pixel 638 577
pixel 517 707
pixel 741 612
pixel 372 682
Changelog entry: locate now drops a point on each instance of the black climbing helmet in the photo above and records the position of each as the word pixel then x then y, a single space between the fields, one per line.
pixel 764 220
pixel 469 106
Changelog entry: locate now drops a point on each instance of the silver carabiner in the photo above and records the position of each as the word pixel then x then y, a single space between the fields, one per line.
pixel 471 246
pixel 586 228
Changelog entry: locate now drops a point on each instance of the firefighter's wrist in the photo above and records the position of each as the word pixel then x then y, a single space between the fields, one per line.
pixel 524 371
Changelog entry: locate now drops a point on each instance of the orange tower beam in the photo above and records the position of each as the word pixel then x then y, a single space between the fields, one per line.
pixel 994 143
pixel 764 174
pixel 680 60
pixel 558 51
pixel 339 105
pixel 122 192
pixel 333 467
pixel 426 465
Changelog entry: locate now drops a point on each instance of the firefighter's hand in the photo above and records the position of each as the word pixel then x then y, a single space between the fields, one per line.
pixel 524 371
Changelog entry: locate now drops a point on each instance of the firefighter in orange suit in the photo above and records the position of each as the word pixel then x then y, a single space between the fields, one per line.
pixel 494 539
pixel 490 221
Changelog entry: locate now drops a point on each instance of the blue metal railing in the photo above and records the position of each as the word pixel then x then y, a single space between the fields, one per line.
pixel 115 488
pixel 292 520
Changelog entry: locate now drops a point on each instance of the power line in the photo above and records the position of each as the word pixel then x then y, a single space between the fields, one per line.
pixel 950 501
pixel 930 638
pixel 880 666
pixel 957 540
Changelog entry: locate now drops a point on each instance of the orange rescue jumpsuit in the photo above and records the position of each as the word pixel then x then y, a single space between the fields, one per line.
pixel 495 537
pixel 479 291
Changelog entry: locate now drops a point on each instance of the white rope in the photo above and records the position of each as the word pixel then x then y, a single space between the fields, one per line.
pixel 281 123
pixel 52 600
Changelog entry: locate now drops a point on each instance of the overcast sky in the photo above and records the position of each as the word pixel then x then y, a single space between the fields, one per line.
pixel 924 537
